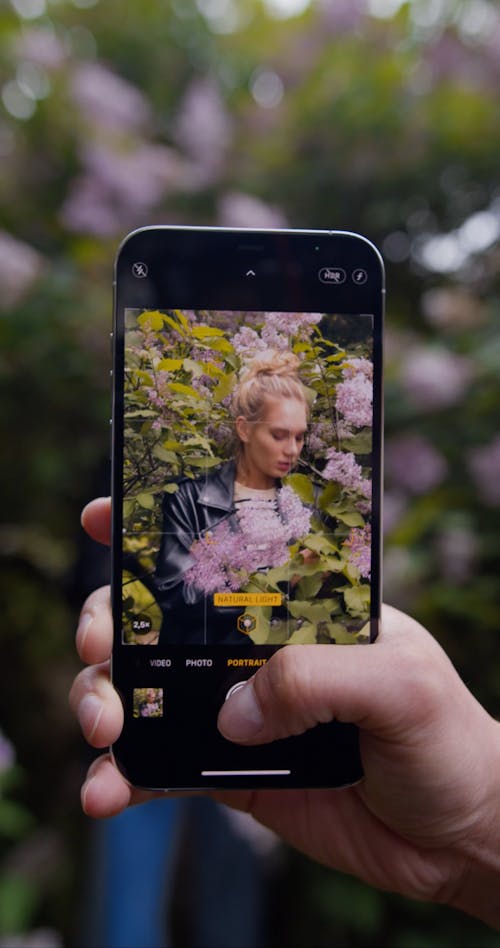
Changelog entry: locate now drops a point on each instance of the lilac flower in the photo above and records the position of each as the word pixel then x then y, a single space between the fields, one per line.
pixel 413 463
pixel 457 548
pixel 274 339
pixel 293 324
pixel 247 342
pixel 245 210
pixel 320 435
pixel 115 186
pixel 297 517
pixel 20 267
pixel 225 559
pixel 203 127
pixel 435 378
pixel 354 367
pixel 484 465
pixel 7 753
pixel 343 468
pixel 108 99
pixel 358 544
pixel 41 46
pixel 354 400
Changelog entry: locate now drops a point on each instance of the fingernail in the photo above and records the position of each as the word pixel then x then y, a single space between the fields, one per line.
pixel 84 793
pixel 84 624
pixel 240 718
pixel 89 714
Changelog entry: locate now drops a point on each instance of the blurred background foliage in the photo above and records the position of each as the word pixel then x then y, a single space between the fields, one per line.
pixel 379 116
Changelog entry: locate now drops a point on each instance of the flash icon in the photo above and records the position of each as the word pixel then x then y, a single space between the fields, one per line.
pixel 140 270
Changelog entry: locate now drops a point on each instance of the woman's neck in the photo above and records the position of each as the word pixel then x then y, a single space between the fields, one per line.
pixel 248 476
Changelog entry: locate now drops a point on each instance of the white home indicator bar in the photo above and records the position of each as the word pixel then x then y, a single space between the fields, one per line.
pixel 245 773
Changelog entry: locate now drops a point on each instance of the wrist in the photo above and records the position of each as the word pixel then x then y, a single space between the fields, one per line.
pixel 478 890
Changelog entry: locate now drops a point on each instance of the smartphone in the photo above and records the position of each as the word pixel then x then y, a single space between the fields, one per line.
pixel 247 431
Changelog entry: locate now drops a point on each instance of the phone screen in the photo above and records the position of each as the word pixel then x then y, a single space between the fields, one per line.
pixel 246 507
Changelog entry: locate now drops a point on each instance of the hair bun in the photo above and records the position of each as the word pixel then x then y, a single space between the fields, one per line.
pixel 273 362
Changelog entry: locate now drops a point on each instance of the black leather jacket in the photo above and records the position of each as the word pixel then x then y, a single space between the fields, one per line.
pixel 189 617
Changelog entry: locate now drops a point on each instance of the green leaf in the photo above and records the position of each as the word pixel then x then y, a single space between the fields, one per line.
pixel 178 326
pixel 203 332
pixel 302 486
pixel 224 387
pixel 357 600
pixel 170 365
pixel 309 586
pixel 319 543
pixel 169 457
pixel 359 443
pixel 153 319
pixel 182 389
pixel 349 516
pixel 319 611
pixel 146 501
pixel 306 635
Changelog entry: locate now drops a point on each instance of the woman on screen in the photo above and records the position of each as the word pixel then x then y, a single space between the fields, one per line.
pixel 231 522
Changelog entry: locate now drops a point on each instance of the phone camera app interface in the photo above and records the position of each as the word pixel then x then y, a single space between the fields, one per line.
pixel 247 479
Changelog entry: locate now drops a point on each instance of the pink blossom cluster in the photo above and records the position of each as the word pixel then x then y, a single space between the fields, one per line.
pixel 292 324
pixel 435 378
pixel 247 342
pixel 320 435
pixel 354 367
pixel 354 400
pixel 359 546
pixel 225 558
pixel 343 468
pixel 296 516
pixel 484 465
pixel 276 332
pixel 414 464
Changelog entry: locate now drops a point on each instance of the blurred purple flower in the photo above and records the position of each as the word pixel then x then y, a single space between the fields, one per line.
pixel 203 128
pixel 435 378
pixel 457 548
pixel 41 46
pixel 117 187
pixel 108 100
pixel 20 267
pixel 394 507
pixel 343 16
pixel 358 544
pixel 484 465
pixel 354 400
pixel 7 753
pixel 244 210
pixel 413 463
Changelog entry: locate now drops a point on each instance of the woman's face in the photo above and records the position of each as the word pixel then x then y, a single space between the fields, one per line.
pixel 272 445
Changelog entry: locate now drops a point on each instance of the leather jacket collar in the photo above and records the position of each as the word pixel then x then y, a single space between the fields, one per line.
pixel 218 489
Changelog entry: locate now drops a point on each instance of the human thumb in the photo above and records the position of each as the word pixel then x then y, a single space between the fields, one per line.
pixel 304 685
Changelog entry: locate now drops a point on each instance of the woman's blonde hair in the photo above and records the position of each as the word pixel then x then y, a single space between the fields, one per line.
pixel 273 374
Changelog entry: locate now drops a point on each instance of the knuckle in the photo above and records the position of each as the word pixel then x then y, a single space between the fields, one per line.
pixel 282 689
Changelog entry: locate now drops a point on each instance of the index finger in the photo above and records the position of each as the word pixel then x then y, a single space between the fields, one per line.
pixel 96 519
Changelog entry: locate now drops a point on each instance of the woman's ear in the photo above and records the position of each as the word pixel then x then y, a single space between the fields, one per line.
pixel 241 425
